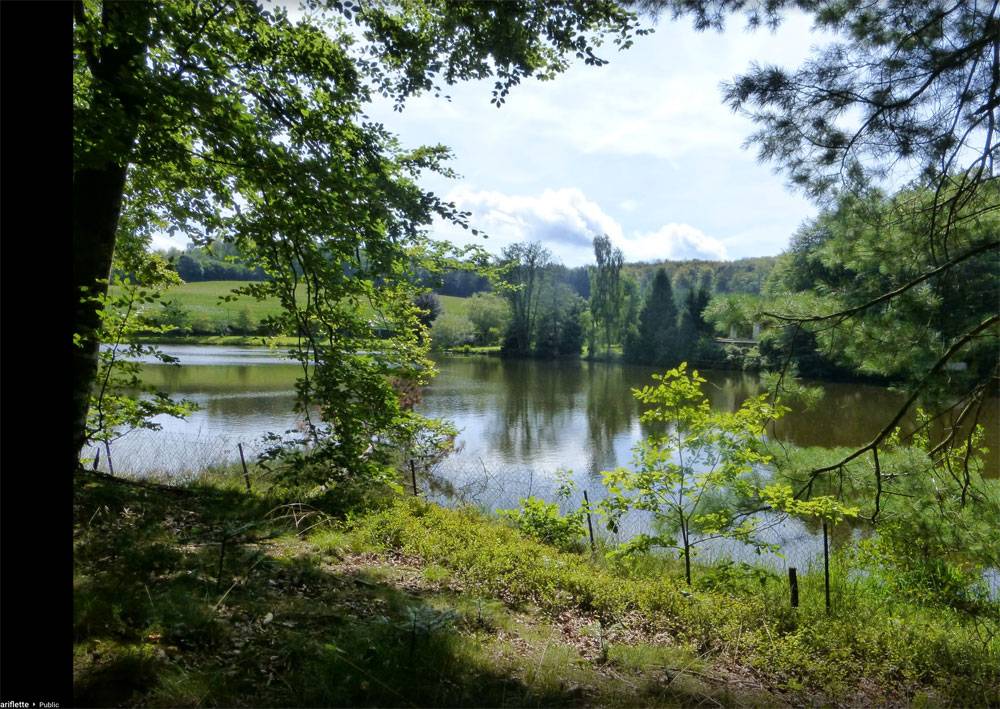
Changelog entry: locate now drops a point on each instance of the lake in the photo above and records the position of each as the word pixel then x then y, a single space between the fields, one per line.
pixel 520 420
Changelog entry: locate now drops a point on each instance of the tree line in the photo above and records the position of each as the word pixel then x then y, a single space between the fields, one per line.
pixel 218 261
pixel 536 311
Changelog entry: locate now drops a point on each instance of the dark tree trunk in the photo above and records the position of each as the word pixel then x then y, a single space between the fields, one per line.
pixel 105 134
pixel 97 200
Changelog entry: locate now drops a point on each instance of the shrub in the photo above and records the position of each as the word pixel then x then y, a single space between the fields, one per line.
pixel 543 521
pixel 449 331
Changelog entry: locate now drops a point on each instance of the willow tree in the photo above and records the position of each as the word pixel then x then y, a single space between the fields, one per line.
pixel 230 121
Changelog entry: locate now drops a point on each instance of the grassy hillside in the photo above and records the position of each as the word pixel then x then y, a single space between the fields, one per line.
pixel 202 312
pixel 453 305
pixel 206 316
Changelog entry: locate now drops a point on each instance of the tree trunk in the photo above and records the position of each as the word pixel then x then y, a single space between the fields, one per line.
pixel 687 545
pixel 687 559
pixel 97 200
pixel 105 134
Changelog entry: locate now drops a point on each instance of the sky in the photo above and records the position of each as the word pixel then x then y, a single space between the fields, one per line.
pixel 641 149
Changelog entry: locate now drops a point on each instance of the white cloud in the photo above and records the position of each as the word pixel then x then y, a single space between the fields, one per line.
pixel 675 242
pixel 646 136
pixel 566 222
pixel 662 98
pixel 164 242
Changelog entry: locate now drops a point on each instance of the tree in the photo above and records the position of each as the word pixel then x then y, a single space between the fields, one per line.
pixel 605 288
pixel 189 269
pixel 655 341
pixel 121 402
pixel 631 304
pixel 732 316
pixel 862 248
pixel 700 477
pixel 489 314
pixel 232 122
pixel 571 335
pixel 429 306
pixel 695 302
pixel 558 329
pixel 908 95
pixel 687 336
pixel 458 282
pixel 451 330
pixel 523 271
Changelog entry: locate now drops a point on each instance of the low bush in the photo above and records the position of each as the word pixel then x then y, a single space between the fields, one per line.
pixel 543 521
pixel 734 611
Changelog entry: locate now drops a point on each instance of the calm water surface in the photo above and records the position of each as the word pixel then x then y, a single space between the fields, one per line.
pixel 520 421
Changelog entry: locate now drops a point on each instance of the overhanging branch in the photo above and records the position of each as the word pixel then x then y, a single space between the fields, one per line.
pixel 889 427
pixel 849 312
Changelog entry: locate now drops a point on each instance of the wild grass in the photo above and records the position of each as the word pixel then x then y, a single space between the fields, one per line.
pixel 869 637
pixel 205 595
pixel 165 617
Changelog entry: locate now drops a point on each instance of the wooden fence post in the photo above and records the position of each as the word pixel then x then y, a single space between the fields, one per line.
pixel 246 475
pixel 590 526
pixel 793 583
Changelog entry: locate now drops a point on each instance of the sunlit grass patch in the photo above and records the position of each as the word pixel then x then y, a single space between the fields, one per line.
pixel 435 574
pixel 646 656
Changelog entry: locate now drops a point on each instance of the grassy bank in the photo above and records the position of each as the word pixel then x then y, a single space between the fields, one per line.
pixel 207 595
pixel 202 317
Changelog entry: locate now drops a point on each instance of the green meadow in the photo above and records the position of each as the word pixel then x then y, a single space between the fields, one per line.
pixel 201 315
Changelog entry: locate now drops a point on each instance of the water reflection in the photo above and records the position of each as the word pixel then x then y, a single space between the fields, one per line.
pixel 547 415
pixel 520 421
pixel 521 414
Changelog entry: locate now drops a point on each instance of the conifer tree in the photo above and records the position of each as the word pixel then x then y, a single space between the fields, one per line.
pixel 656 340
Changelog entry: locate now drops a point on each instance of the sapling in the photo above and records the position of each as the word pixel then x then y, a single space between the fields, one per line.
pixel 700 478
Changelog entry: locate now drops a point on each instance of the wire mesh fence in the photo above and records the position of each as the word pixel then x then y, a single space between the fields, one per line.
pixel 172 455
pixel 458 480
pixel 491 487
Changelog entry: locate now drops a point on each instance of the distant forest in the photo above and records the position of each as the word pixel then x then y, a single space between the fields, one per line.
pixel 222 262
pixel 746 275
pixel 218 262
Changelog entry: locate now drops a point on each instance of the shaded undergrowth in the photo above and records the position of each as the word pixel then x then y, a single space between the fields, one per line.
pixel 167 614
pixel 206 595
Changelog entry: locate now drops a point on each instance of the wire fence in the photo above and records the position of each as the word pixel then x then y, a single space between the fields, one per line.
pixel 172 455
pixel 458 480
pixel 491 487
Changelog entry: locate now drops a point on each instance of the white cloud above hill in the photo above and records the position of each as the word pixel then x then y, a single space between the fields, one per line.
pixel 566 221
